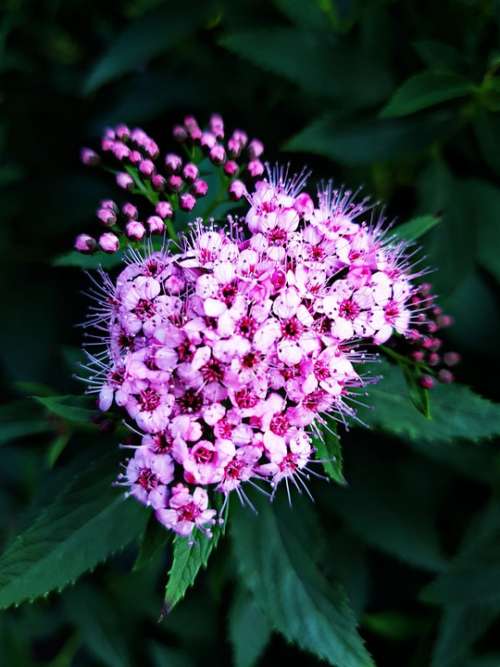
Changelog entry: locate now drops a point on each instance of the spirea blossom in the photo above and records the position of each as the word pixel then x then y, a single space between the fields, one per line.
pixel 231 350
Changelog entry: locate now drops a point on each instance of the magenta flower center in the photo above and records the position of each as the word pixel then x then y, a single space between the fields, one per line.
pixel 149 399
pixel 349 310
pixel 144 309
pixel 147 479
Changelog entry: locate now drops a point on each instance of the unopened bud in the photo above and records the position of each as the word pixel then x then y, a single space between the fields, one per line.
pixel 217 125
pixel 451 358
pixel 426 381
pixel 173 162
pixel 158 182
pixel 89 157
pixel 231 167
pixel 187 202
pixel 190 172
pixel 135 230
pixel 179 133
pixel 85 243
pixel 255 149
pixel 124 180
pixel 106 216
pixel 146 167
pixel 164 209
pixel 175 183
pixel 130 211
pixel 155 224
pixel 445 376
pixel 217 154
pixel 237 190
pixel 109 242
pixel 255 168
pixel 199 188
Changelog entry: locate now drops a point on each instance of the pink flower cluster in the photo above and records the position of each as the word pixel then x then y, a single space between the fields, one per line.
pixel 230 352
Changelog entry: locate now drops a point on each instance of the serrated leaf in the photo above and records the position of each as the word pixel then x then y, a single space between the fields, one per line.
pixel 154 540
pixel 94 261
pixel 329 451
pixel 249 630
pixel 460 627
pixel 276 564
pixel 425 90
pixel 392 508
pixel 473 576
pixel 71 408
pixel 85 523
pixel 188 559
pixel 19 419
pixel 457 412
pixel 166 656
pixel 416 227
pixel 300 55
pixel 486 212
pixel 143 40
pixel 487 131
pixel 365 141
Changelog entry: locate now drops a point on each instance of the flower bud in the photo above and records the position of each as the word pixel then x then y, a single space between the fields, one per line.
pixel 134 157
pixel 445 376
pixel 217 154
pixel 89 157
pixel 417 356
pixel 444 321
pixel 109 204
pixel 122 131
pixel 216 125
pixel 187 202
pixel 255 149
pixel 173 162
pixel 175 183
pixel 146 167
pixel 434 359
pixel 208 140
pixel 179 133
pixel 304 205
pixel 164 209
pixel 190 172
pixel 426 381
pixel 120 151
pixel 237 190
pixel 231 167
pixel 192 127
pixel 124 180
pixel 155 224
pixel 151 148
pixel 451 358
pixel 158 182
pixel 130 211
pixel 135 230
pixel 107 144
pixel 85 243
pixel 109 242
pixel 255 168
pixel 199 188
pixel 106 216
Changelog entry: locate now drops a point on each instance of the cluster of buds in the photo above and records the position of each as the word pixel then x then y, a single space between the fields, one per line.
pixel 230 351
pixel 169 182
pixel 423 345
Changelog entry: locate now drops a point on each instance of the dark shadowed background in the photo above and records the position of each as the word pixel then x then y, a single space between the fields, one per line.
pixel 310 78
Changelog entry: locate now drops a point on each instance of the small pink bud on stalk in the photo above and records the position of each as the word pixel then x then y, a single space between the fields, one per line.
pixel 109 204
pixel 187 202
pixel 217 125
pixel 155 224
pixel 106 216
pixel 255 168
pixel 147 168
pixel 434 359
pixel 173 162
pixel 445 376
pixel 417 356
pixel 426 381
pixel 255 149
pixel 134 157
pixel 237 190
pixel 164 209
pixel 175 183
pixel 130 211
pixel 89 157
pixel 193 128
pixel 179 133
pixel 217 154
pixel 199 188
pixel 190 172
pixel 109 242
pixel 124 180
pixel 85 243
pixel 120 151
pixel 122 131
pixel 451 358
pixel 135 230
pixel 158 182
pixel 231 167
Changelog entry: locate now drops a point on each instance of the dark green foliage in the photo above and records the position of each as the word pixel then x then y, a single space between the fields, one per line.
pixel 401 98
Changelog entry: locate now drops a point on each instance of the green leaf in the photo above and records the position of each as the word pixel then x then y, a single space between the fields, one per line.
pixel 460 627
pixel 249 630
pixel 71 408
pixel 187 561
pixel 425 90
pixel 361 142
pixel 487 131
pixel 95 261
pixel 416 227
pixel 155 539
pixel 84 524
pixel 438 54
pixel 486 217
pixel 329 451
pixel 457 412
pixel 20 419
pixel 473 576
pixel 300 603
pixel 56 448
pixel 166 656
pixel 144 39
pixel 300 55
pixel 392 508
pixel 395 624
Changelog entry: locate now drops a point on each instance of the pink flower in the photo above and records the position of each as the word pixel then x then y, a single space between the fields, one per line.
pixel 186 511
pixel 147 475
